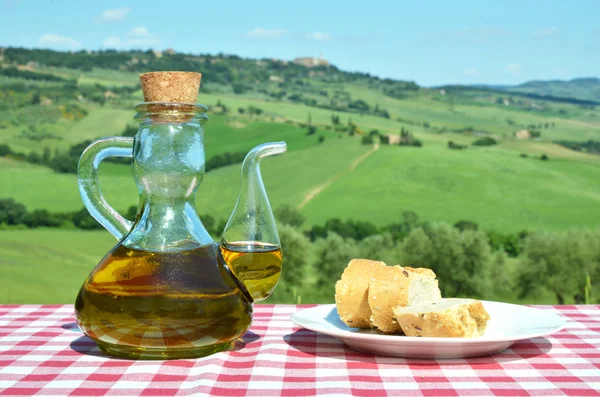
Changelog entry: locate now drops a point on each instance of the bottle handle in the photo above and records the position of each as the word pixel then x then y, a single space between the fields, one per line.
pixel 89 186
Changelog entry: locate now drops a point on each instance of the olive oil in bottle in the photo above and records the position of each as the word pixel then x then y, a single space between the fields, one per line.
pixel 256 265
pixel 143 304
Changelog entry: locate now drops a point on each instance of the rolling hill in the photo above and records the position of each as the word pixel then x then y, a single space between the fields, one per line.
pixel 51 103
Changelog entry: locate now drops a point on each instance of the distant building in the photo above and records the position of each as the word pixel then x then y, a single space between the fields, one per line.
pixel 311 62
pixel 169 51
pixel 393 139
pixel 276 79
pixel 523 134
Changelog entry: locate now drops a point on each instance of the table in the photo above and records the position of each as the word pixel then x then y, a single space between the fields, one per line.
pixel 42 352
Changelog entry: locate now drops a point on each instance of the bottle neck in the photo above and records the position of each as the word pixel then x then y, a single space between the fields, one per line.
pixel 167 224
pixel 168 167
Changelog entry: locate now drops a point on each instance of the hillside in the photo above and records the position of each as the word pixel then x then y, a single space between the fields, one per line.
pixel 52 103
pixel 581 90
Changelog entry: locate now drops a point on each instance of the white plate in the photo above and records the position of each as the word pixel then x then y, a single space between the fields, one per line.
pixel 508 324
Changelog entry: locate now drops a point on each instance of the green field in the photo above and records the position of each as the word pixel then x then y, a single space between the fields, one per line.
pixel 324 175
pixel 491 186
pixel 48 265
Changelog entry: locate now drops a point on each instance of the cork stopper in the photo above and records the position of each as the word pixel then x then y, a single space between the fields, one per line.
pixel 181 87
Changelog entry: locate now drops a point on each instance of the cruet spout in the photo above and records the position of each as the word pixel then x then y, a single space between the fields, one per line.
pixel 250 244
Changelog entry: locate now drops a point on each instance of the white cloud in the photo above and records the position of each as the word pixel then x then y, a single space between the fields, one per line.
pixel 112 42
pixel 513 68
pixel 115 14
pixel 319 36
pixel 261 33
pixel 56 41
pixel 470 71
pixel 141 36
pixel 548 32
pixel 136 37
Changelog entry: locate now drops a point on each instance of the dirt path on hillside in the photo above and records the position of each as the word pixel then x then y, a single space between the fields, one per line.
pixel 318 189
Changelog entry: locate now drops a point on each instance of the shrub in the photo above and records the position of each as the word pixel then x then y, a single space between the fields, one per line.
pixel 466 225
pixel 544 157
pixel 366 140
pixel 289 216
pixel 11 212
pixel 485 141
pixel 5 150
pixel 456 146
pixel 83 220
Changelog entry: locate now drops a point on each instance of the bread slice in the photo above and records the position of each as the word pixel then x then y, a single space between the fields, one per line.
pixel 351 292
pixel 449 317
pixel 399 286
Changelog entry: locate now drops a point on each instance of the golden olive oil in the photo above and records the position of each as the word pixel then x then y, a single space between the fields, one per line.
pixel 141 304
pixel 256 265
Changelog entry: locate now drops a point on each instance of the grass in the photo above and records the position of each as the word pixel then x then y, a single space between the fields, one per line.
pixel 492 186
pixel 39 187
pixel 39 266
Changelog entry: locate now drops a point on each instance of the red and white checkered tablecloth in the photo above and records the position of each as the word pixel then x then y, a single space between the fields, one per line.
pixel 42 352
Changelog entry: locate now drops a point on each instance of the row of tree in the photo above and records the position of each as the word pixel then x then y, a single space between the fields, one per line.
pixel 468 261
pixel 550 264
pixel 510 243
pixel 269 75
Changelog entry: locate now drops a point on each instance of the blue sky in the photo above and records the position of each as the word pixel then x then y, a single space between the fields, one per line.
pixel 430 42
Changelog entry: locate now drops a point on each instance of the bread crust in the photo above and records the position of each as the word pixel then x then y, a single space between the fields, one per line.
pixel 388 290
pixel 351 292
pixel 465 318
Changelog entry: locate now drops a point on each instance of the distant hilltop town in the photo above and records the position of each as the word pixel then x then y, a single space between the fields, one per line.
pixel 311 62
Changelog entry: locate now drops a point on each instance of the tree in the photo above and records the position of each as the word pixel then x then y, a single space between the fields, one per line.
pixel 466 225
pixel 83 220
pixel 399 231
pixel 42 218
pixel 316 232
pixel 366 140
pixel 5 150
pixel 11 212
pixel 321 139
pixel 64 163
pixel 311 129
pixel 461 260
pixel 33 158
pixel 289 216
pixel 558 263
pixel 456 146
pixel 131 212
pixel 485 141
pixel 46 155
pixel 35 99
pixel 333 254
pixel 379 247
pixel 295 248
pixel 209 224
